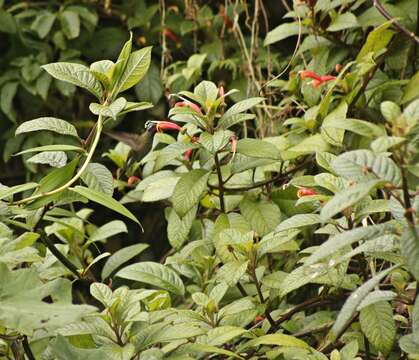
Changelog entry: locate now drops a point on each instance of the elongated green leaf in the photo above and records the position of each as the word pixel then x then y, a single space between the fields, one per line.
pixel 364 164
pixel 343 21
pixel 154 274
pixel 106 231
pixel 339 241
pixel 57 177
pixel 375 297
pixel 410 249
pixel 105 200
pixel 178 228
pixel 189 190
pixel 223 334
pixel 378 325
pixel 297 221
pixel 277 340
pixel 8 92
pixel 347 198
pixel 360 127
pixel 99 178
pixel 53 158
pixel 75 74
pixel 70 23
pixel 120 257
pixel 284 31
pixel 135 69
pixel 352 303
pixel 6 192
pixel 136 106
pixel 214 350
pixel 225 123
pixel 257 148
pixel 377 40
pixel 43 23
pixel 240 107
pixel 383 143
pixel 51 148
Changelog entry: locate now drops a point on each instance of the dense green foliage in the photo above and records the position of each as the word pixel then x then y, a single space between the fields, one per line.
pixel 283 150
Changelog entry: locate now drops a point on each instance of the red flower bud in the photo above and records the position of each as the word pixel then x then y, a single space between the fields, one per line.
pixel 190 105
pixel 316 83
pixel 187 154
pixel 305 192
pixel 167 125
pixel 338 67
pixel 233 142
pixel 132 180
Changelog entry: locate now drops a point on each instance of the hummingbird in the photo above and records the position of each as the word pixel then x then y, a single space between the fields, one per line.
pixel 141 144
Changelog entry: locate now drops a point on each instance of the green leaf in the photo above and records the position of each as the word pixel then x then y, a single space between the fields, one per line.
pixel 360 127
pixel 233 120
pixel 347 198
pixel 99 178
pixel 57 177
pixel 215 142
pixel 104 200
pixel 283 31
pixel 362 165
pixel 135 69
pixel 62 349
pixel 240 107
pixel 106 231
pixel 343 21
pixel 213 350
pixel 257 148
pixel 75 74
pixel 120 257
pixel 70 23
pixel 154 274
pixel 8 92
pixel 411 91
pixel 410 249
pixel 390 110
pixel 232 272
pixel 43 23
pixel 111 110
pixel 102 70
pixel 102 293
pixel 160 189
pixel 377 40
pixel 51 148
pixel 262 216
pixel 53 158
pixel 206 91
pixel 6 192
pixel 297 221
pixel 383 143
pixel 150 88
pixel 189 190
pixel 277 340
pixel 351 304
pixel 378 325
pixel 7 22
pixel 135 106
pixel 178 227
pixel 334 135
pixel 223 334
pixel 376 297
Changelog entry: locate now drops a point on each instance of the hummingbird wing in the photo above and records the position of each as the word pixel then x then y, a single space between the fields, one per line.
pixel 134 141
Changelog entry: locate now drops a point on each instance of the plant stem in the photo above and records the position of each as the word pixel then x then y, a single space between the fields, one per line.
pixel 60 257
pixel 79 173
pixel 220 182
pixel 27 348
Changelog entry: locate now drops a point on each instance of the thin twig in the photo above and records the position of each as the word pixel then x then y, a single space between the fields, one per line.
pixel 411 35
pixel 27 348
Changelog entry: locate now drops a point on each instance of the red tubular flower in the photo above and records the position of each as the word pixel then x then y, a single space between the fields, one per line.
pixel 169 34
pixel 303 191
pixel 190 105
pixel 167 125
pixel 187 154
pixel 309 74
pixel 326 78
pixel 132 180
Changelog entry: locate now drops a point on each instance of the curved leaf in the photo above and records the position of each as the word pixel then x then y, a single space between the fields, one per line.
pixel 47 123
